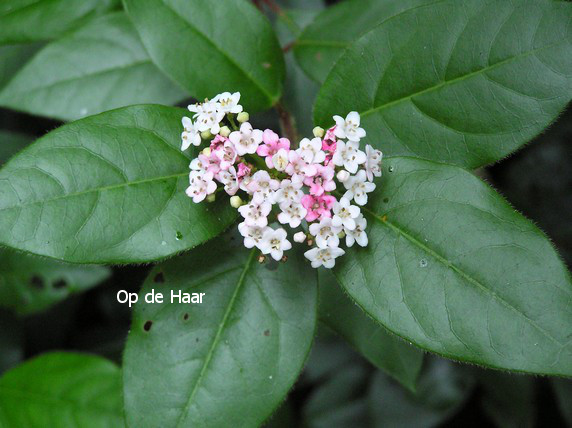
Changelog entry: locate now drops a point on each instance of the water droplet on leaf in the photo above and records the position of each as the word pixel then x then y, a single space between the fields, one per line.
pixel 423 263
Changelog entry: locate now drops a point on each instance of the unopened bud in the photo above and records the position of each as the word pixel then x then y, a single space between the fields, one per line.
pixel 342 235
pixel 243 117
pixel 261 258
pixel 299 237
pixel 284 259
pixel 206 135
pixel 211 197
pixel 225 131
pixel 206 151
pixel 343 175
pixel 235 202
pixel 310 242
pixel 319 132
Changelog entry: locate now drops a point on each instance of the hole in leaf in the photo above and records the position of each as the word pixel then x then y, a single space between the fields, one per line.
pixel 386 200
pixel 159 278
pixel 266 332
pixel 60 283
pixel 37 282
pixel 147 326
pixel 186 317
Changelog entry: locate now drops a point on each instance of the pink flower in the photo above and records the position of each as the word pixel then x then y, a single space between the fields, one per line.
pixel 243 170
pixel 329 141
pixel 322 182
pixel 207 163
pixel 217 142
pixel 271 144
pixel 318 206
pixel 226 154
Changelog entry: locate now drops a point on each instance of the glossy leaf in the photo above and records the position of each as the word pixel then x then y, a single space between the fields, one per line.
pixel 229 361
pixel 387 352
pixel 453 268
pixel 491 76
pixel 62 390
pixel 508 400
pixel 30 284
pixel 211 47
pixel 321 43
pixel 13 58
pixel 38 20
pixel 442 390
pixel 100 67
pixel 107 189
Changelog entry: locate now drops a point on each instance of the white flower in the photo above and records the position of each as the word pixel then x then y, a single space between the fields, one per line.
pixel 226 154
pixel 256 212
pixel 290 190
pixel 345 214
pixel 343 175
pixel 358 234
pixel 252 234
pixel 229 102
pixel 208 116
pixel 202 184
pixel 349 127
pixel 191 134
pixel 373 162
pixel 197 164
pixel 280 160
pixel 348 155
pixel 299 166
pixel 311 150
pixel 274 242
pixel 324 256
pixel 262 184
pixel 246 140
pixel 230 180
pixel 299 237
pixel 326 234
pixel 358 188
pixel 292 213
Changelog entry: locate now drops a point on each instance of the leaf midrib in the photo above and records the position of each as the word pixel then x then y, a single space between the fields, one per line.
pixel 459 271
pixel 217 337
pixel 445 83
pixel 271 98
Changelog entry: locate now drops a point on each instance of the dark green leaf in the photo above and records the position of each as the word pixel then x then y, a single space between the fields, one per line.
pixel 508 399
pixel 107 189
pixel 323 42
pixel 442 389
pixel 230 360
pixel 62 390
pixel 464 82
pixel 211 47
pixel 13 58
pixel 11 143
pixel 30 284
pixel 37 20
pixel 453 268
pixel 99 67
pixel 11 340
pixel 387 352
pixel 563 390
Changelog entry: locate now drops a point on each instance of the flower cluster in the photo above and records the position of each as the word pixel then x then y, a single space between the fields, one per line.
pixel 281 183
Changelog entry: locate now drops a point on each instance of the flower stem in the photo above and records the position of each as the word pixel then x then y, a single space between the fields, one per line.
pixel 287 123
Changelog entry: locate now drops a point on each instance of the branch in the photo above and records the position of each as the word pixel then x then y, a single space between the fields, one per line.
pixel 287 123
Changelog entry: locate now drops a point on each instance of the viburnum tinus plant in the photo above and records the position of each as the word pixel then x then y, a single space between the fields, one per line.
pixel 298 181
pixel 413 255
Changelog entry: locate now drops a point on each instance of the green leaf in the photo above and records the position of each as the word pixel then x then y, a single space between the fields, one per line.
pixel 31 284
pixel 453 268
pixel 62 390
pixel 38 20
pixel 508 400
pixel 100 67
pixel 563 391
pixel 385 351
pixel 442 389
pixel 230 360
pixel 107 189
pixel 336 28
pixel 491 76
pixel 13 58
pixel 211 47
